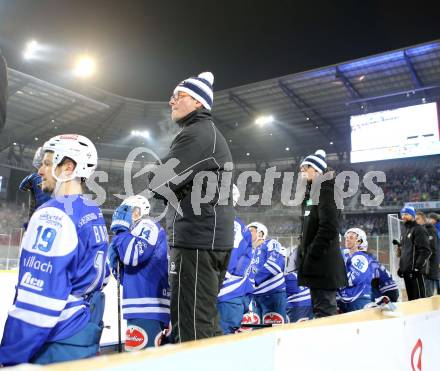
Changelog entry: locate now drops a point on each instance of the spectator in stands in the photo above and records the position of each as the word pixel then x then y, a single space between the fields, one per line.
pixel 414 255
pixel 320 263
pixel 431 273
pixel 434 220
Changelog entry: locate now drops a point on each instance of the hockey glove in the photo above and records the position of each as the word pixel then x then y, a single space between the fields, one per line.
pixel 400 273
pixel 32 183
pixel 121 220
pixel 396 243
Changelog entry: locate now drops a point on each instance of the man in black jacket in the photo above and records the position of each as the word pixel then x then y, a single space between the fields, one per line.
pixel 431 275
pixel 320 263
pixel 200 220
pixel 414 255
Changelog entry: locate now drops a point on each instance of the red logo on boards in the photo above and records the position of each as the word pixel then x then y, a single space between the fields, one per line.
pixel 416 356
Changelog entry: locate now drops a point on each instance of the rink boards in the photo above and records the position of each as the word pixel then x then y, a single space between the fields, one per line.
pixel 363 340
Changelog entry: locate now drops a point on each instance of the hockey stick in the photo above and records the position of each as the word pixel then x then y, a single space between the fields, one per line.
pixel 118 286
pixel 32 204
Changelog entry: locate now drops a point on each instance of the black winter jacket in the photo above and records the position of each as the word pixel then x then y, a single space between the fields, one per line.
pixel 415 249
pixel 320 262
pixel 199 147
pixel 434 258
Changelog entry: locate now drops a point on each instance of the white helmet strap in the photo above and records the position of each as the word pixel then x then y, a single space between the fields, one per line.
pixel 60 180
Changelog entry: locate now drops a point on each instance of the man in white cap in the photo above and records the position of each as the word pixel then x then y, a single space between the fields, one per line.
pixel 200 226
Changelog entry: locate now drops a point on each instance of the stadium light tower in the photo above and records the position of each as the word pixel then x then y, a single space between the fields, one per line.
pixel 263 120
pixel 31 49
pixel 85 66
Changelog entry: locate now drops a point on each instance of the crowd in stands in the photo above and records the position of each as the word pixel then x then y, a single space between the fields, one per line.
pixel 12 217
pixel 406 180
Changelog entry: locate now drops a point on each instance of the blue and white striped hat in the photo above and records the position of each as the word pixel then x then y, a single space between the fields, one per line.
pixel 317 161
pixel 200 88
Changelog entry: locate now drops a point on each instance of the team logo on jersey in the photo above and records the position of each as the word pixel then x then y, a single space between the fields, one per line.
pixel 249 318
pixel 87 218
pixel 54 220
pixel 31 282
pixel 136 338
pixel 273 318
pixel 33 263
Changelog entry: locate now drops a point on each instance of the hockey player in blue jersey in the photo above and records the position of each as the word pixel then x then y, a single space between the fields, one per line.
pixel 299 302
pixel 360 272
pixel 233 298
pixel 269 297
pixel 58 306
pixel 141 245
pixel 383 283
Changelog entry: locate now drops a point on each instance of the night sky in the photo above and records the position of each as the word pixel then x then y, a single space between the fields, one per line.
pixel 144 48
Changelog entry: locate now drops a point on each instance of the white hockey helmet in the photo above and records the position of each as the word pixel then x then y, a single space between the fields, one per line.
pixel 140 202
pixel 260 228
pixel 235 194
pixel 361 238
pixel 76 147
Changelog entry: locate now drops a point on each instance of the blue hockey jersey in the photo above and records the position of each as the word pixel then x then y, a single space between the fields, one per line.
pixel 236 279
pixel 63 257
pixel 143 251
pixel 297 296
pixel 269 263
pixel 360 272
pixel 386 282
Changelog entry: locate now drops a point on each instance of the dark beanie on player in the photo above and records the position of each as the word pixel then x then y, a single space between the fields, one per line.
pixel 317 161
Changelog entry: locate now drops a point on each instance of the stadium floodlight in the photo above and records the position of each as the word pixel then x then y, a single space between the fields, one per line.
pixel 85 66
pixel 248 154
pixel 287 149
pixel 143 134
pixel 30 50
pixel 263 120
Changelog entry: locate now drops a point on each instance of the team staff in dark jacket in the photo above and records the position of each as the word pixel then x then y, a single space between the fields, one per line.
pixel 414 254
pixel 200 234
pixel 431 273
pixel 320 263
pixel 434 220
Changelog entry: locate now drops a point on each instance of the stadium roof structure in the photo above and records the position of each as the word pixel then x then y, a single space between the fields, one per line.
pixel 311 109
pixel 38 110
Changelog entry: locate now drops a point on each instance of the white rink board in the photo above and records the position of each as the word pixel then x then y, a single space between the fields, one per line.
pixel 8 280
